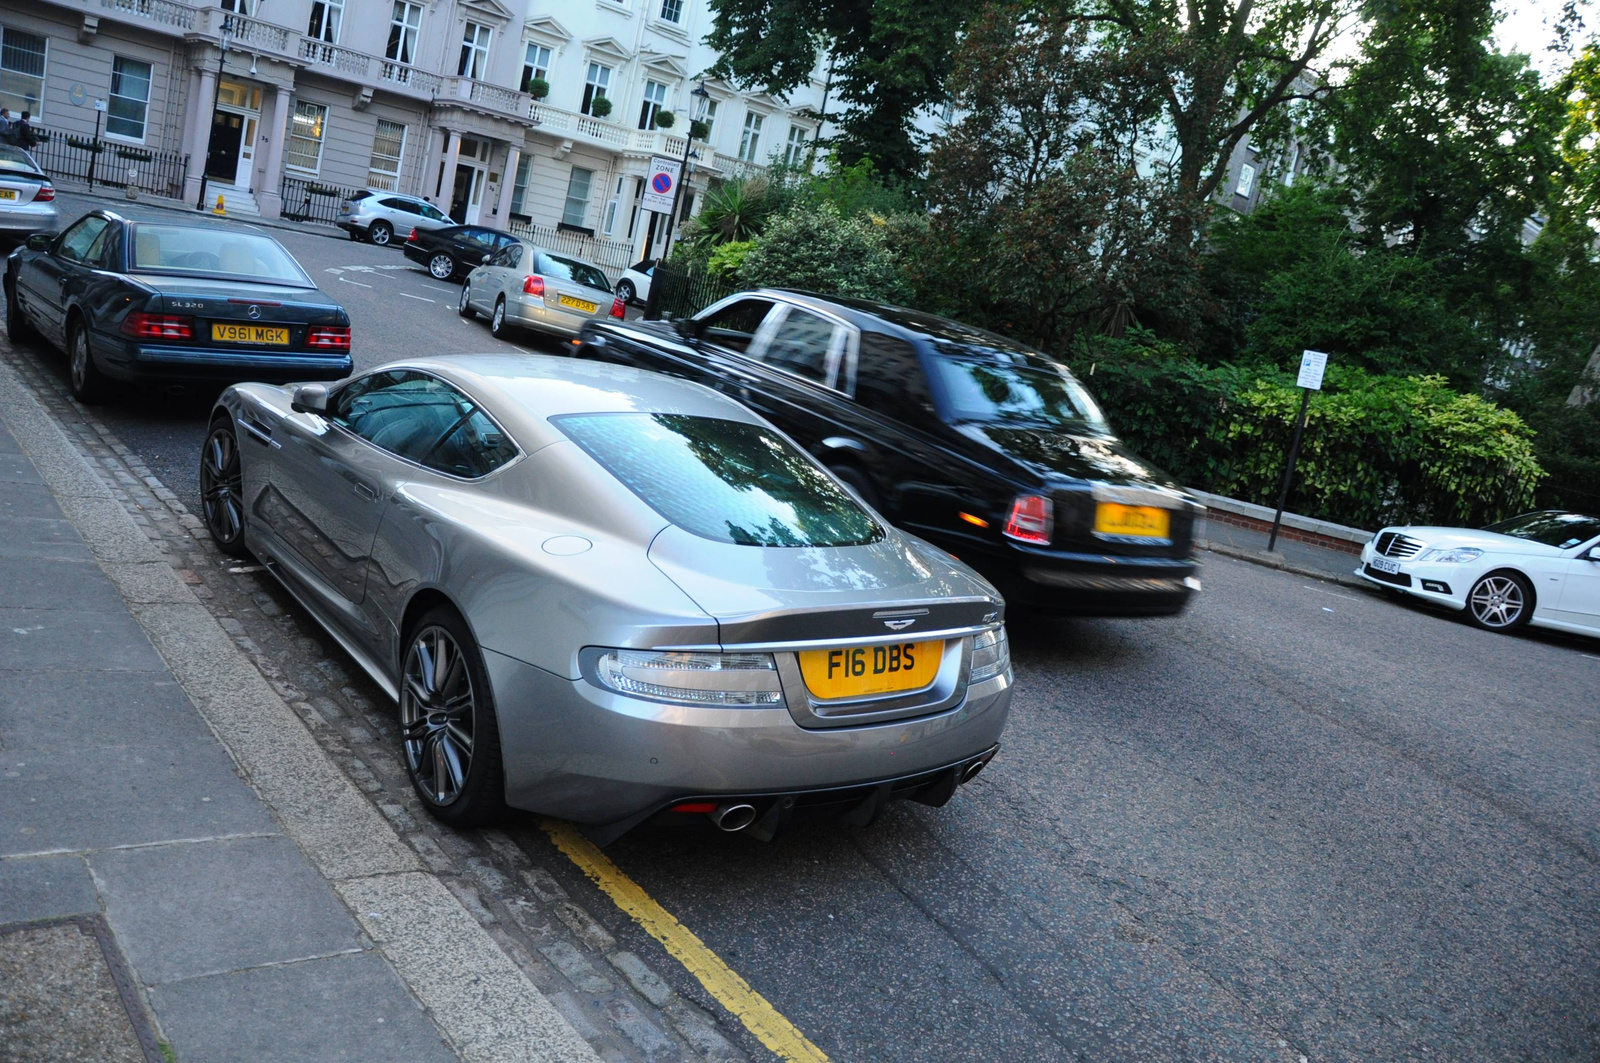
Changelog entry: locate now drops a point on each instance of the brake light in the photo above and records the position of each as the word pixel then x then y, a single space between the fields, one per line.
pixel 413 237
pixel 328 338
pixel 46 193
pixel 1032 519
pixel 533 286
pixel 143 326
pixel 618 311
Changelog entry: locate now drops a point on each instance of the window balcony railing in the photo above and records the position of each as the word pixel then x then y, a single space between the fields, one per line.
pixel 489 97
pixel 165 12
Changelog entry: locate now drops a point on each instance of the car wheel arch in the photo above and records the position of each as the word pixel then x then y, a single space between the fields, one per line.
pixel 417 606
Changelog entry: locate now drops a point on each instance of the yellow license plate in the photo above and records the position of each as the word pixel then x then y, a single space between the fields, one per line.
pixel 1143 522
pixel 578 304
pixel 862 671
pixel 8 193
pixel 270 335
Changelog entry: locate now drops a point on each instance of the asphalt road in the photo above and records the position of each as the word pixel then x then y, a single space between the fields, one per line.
pixel 1299 820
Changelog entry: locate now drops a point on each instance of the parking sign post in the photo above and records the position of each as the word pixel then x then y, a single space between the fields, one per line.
pixel 1312 366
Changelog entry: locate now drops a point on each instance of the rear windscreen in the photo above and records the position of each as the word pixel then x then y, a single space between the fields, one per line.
pixel 731 481
pixel 180 249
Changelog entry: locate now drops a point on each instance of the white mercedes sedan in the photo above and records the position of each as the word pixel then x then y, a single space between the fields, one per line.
pixel 1540 568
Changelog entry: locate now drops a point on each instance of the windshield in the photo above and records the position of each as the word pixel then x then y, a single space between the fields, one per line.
pixel 186 251
pixel 1013 389
pixel 1551 527
pixel 15 160
pixel 570 269
pixel 730 481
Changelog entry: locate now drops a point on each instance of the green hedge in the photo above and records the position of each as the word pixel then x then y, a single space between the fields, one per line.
pixel 1378 449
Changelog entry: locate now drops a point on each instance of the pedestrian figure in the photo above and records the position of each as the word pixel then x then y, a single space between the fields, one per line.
pixel 22 132
pixel 5 124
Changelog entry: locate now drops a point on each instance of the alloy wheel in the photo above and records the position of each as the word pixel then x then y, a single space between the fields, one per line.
pixel 464 307
pixel 380 233
pixel 442 266
pixel 1497 602
pixel 80 359
pixel 221 488
pixel 497 324
pixel 625 291
pixel 436 715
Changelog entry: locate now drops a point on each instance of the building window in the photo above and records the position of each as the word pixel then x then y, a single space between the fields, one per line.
pixel 474 52
pixel 577 207
pixel 794 152
pixel 535 65
pixel 595 87
pixel 750 141
pixel 130 98
pixel 519 190
pixel 388 148
pixel 21 71
pixel 655 98
pixel 710 119
pixel 240 7
pixel 304 150
pixel 672 10
pixel 403 26
pixel 325 18
pixel 1247 180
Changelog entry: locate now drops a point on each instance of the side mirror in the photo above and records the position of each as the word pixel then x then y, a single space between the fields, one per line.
pixel 310 398
pixel 41 241
pixel 483 260
pixel 689 328
pixel 1591 554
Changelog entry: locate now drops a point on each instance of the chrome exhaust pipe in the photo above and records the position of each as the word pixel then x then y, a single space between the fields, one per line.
pixel 734 817
pixel 970 772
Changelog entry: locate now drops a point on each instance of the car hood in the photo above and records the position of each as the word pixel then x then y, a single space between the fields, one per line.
pixel 791 594
pixel 1483 540
pixel 1054 455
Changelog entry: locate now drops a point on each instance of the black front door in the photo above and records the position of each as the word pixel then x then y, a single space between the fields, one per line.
pixel 222 157
pixel 461 193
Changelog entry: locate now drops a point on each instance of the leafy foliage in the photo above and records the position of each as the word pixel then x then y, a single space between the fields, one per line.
pixel 820 250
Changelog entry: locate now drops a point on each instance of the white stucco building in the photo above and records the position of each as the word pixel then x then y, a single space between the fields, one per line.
pixel 422 96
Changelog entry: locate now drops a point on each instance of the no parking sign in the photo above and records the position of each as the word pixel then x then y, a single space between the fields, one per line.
pixel 661 185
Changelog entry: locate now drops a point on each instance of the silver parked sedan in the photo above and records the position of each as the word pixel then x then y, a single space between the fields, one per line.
pixel 604 594
pixel 27 198
pixel 524 286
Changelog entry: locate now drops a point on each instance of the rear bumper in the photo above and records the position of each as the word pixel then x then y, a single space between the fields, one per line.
pixel 122 360
pixel 531 312
pixel 28 219
pixel 1077 584
pixel 573 750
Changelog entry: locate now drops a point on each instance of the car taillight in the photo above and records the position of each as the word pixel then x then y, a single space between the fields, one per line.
pixel 533 286
pixel 328 338
pixel 143 326
pixel 618 311
pixel 413 237
pixel 1032 519
pixel 46 193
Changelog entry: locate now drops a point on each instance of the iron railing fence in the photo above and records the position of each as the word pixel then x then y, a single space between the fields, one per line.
pixel 612 256
pixel 306 200
pixel 680 292
pixel 98 161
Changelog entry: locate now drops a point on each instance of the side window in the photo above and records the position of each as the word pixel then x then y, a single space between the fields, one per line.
pixel 801 344
pixel 513 256
pixel 401 205
pixel 96 255
pixel 427 210
pixel 889 378
pixel 735 325
pixel 76 242
pixel 425 420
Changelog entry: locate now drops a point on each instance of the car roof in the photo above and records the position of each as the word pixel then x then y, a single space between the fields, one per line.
pixel 900 320
pixel 524 391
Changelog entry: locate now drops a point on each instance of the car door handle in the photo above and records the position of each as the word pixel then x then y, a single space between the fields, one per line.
pixel 365 490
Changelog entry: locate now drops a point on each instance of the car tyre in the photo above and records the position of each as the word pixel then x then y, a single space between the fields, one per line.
pixel 1500 601
pixel 87 382
pixel 442 267
pixel 17 328
pixel 859 483
pixel 625 292
pixel 380 232
pixel 464 306
pixel 497 324
pixel 449 735
pixel 222 488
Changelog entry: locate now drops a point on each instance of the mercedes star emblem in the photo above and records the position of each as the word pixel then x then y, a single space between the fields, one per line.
pixel 254 311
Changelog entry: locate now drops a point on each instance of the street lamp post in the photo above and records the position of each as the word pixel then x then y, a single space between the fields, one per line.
pixel 652 303
pixel 216 94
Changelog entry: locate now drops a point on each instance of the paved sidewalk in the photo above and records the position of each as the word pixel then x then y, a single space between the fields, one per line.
pixel 130 846
pixel 1304 558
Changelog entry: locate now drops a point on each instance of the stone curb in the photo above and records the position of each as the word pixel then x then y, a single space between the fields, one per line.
pixel 1266 560
pixel 1290 520
pixel 503 1016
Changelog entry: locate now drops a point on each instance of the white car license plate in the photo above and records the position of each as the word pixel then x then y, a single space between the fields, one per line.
pixel 1383 564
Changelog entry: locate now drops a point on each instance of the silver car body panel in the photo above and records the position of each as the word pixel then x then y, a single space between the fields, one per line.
pixel 550 556
pixel 490 283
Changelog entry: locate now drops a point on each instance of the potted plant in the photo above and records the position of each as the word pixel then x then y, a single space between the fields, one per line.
pixel 664 119
pixel 699 130
pixel 599 106
pixel 538 88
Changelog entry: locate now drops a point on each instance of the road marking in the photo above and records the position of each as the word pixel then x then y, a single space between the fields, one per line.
pixel 720 980
pixel 1346 597
pixel 419 298
pixel 358 284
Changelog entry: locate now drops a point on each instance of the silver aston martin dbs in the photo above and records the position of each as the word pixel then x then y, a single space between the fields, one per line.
pixel 604 594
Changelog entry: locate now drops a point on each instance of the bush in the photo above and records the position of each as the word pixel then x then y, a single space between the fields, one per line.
pixel 1378 449
pixel 818 250
pixel 665 119
pixel 727 260
pixel 599 106
pixel 538 88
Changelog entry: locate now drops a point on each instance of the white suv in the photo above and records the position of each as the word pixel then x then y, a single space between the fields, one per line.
pixel 379 215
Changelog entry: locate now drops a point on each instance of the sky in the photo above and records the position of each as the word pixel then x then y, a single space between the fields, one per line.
pixel 1527 27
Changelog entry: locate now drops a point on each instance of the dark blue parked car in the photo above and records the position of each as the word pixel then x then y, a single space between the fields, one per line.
pixel 135 300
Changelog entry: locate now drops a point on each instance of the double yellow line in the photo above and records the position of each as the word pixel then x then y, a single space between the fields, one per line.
pixel 720 980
